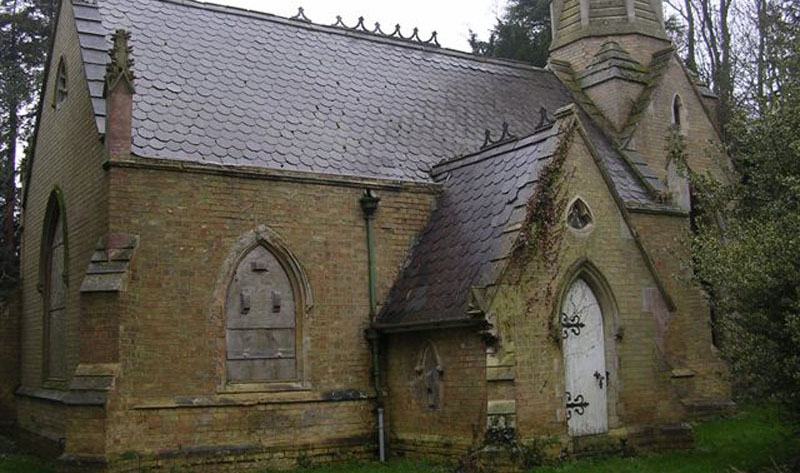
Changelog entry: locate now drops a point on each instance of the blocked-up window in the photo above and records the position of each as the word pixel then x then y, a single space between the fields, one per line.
pixel 429 370
pixel 55 295
pixel 261 325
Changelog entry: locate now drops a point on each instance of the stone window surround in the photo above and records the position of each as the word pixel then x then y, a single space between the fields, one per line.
pixel 678 114
pixel 263 236
pixel 586 230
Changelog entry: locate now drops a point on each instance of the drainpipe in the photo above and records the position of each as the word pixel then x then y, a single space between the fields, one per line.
pixel 369 204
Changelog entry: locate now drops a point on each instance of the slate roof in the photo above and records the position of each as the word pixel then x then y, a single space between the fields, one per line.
pixel 472 231
pixel 470 236
pixel 226 86
pixel 220 85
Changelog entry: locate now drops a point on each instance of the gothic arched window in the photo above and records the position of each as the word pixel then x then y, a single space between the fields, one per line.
pixel 261 321
pixel 61 84
pixel 677 112
pixel 54 289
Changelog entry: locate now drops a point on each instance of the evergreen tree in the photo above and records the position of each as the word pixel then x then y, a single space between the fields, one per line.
pixel 24 31
pixel 522 33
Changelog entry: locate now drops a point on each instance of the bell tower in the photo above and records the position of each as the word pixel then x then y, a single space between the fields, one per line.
pixel 609 48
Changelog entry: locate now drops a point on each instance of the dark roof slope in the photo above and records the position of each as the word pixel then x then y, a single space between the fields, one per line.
pixel 471 233
pixel 221 85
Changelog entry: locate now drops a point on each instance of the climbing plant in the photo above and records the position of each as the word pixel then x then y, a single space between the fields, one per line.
pixel 542 233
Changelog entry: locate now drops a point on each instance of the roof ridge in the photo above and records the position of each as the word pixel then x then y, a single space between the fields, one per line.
pixel 538 136
pixel 302 24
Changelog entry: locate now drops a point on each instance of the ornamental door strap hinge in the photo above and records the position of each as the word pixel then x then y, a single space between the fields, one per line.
pixel 577 405
pixel 571 324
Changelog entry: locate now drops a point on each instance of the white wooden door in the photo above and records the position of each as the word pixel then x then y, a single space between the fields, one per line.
pixel 584 361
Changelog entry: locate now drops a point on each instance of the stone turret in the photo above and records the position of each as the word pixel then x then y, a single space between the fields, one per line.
pixel 576 19
pixel 608 49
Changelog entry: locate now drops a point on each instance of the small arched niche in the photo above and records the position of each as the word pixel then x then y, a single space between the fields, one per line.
pixel 579 216
pixel 429 374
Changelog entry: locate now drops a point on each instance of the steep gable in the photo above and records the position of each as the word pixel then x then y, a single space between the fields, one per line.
pixel 66 160
pixel 478 220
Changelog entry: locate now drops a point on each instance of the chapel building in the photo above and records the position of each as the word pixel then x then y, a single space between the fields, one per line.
pixel 251 241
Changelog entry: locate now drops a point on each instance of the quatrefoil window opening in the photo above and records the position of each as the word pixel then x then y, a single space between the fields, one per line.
pixel 579 217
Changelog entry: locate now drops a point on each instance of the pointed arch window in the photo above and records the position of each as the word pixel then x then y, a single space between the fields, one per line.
pixel 579 217
pixel 262 327
pixel 678 112
pixel 54 289
pixel 61 84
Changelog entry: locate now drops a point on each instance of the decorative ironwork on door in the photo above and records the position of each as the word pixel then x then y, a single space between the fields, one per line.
pixel 584 361
pixel 577 405
pixel 571 324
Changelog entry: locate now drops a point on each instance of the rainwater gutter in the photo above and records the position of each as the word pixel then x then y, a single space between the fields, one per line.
pixel 369 204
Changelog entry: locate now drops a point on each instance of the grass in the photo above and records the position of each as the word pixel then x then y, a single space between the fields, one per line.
pixel 11 461
pixel 752 441
pixel 749 441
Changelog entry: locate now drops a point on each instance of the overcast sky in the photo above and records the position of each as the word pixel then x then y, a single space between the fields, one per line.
pixel 452 19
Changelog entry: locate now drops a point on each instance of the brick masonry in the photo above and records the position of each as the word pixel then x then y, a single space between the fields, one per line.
pixel 459 422
pixel 69 156
pixel 186 231
pixel 161 339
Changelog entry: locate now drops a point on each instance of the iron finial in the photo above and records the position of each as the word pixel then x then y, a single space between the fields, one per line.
pixel 544 118
pixel 301 16
pixel 505 136
pixel 397 33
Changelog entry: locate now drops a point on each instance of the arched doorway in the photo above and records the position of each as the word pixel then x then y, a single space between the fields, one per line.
pixel 586 377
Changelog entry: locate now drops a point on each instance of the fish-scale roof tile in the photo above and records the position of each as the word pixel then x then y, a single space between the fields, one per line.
pixel 470 234
pixel 224 86
pixel 398 108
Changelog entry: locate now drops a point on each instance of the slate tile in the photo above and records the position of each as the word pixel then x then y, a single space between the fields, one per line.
pixel 211 82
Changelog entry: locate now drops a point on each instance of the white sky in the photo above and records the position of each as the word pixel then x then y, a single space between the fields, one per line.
pixel 452 19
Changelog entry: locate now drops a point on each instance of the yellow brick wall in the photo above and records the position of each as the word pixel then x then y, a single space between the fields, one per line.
pixel 69 155
pixel 690 333
pixel 640 372
pixel 459 423
pixel 703 145
pixel 172 347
